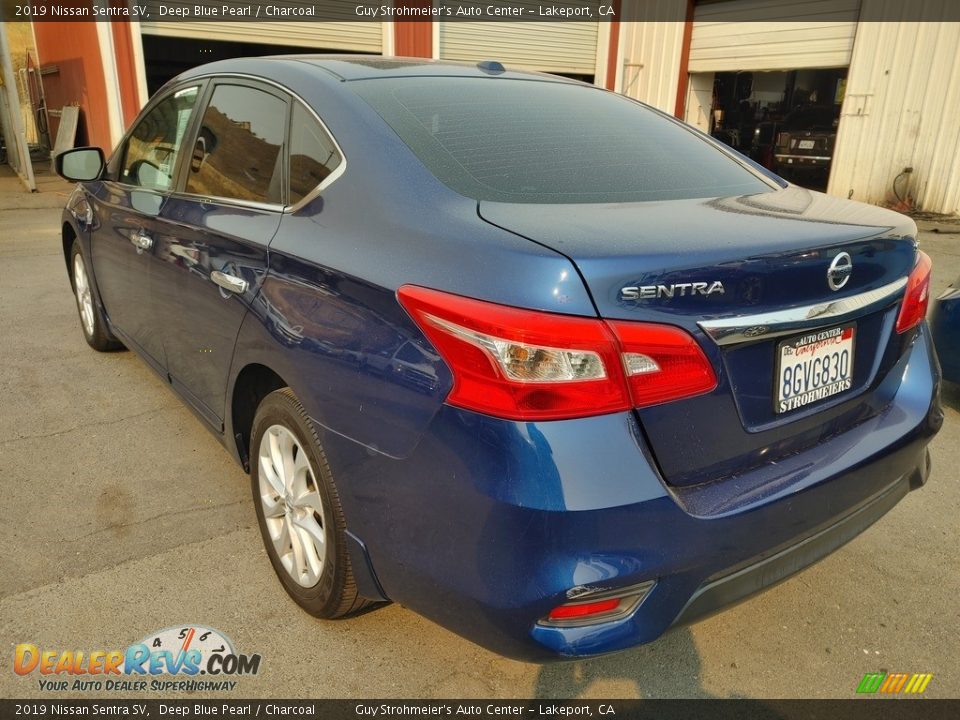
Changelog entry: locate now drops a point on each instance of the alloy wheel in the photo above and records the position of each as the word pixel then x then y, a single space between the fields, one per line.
pixel 292 508
pixel 84 298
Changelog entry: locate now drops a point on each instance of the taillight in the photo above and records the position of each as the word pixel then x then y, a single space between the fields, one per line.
pixel 662 363
pixel 528 365
pixel 917 296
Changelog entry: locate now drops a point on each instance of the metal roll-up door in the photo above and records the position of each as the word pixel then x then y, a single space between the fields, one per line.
pixel 364 36
pixel 561 47
pixel 772 35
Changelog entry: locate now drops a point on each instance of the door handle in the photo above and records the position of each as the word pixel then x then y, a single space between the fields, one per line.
pixel 229 282
pixel 141 241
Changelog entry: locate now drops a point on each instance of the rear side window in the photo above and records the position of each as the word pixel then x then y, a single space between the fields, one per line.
pixel 150 158
pixel 313 156
pixel 238 150
pixel 544 142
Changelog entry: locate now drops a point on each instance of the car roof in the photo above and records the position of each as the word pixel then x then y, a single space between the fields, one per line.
pixel 364 67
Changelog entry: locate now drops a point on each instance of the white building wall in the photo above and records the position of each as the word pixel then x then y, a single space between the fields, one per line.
pixel 648 67
pixel 902 109
pixel 567 47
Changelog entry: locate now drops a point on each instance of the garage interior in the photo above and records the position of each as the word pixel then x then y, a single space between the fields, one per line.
pixel 754 112
pixel 166 57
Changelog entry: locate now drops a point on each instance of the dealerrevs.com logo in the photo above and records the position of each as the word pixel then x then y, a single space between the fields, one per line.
pixel 186 658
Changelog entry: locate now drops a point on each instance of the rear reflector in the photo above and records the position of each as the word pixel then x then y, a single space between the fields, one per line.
pixel 529 365
pixel 599 607
pixel 582 610
pixel 917 296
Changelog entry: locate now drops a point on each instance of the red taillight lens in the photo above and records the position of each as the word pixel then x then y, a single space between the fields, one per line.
pixel 584 610
pixel 917 296
pixel 529 365
pixel 520 364
pixel 662 363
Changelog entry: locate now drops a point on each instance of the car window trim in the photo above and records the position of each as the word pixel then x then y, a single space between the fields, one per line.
pixel 327 181
pixel 255 83
pixel 190 137
pixel 763 326
pixel 230 202
pixel 334 174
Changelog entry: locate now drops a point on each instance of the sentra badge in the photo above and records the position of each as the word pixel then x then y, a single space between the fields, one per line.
pixel 651 292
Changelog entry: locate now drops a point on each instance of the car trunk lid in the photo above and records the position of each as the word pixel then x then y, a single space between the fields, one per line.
pixel 705 265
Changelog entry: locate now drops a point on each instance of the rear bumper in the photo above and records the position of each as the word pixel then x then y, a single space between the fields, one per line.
pixel 488 524
pixel 772 567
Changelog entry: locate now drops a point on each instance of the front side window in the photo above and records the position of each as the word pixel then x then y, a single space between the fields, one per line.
pixel 238 151
pixel 313 156
pixel 154 144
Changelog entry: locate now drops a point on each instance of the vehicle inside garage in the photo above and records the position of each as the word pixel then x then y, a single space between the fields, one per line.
pixel 166 57
pixel 785 120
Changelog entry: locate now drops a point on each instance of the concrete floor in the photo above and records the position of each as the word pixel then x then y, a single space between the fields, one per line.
pixel 122 515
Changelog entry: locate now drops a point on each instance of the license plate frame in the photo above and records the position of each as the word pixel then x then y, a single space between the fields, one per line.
pixel 827 339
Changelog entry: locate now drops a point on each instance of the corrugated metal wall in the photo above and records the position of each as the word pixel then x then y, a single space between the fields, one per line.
pixel 561 47
pixel 780 35
pixel 341 35
pixel 902 109
pixel 650 49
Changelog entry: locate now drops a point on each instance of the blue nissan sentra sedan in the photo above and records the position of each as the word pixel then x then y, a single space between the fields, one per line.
pixel 537 361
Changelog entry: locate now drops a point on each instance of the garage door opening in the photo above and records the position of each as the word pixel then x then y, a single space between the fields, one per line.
pixel 785 120
pixel 166 57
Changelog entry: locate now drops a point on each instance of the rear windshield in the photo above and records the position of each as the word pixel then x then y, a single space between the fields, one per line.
pixel 543 142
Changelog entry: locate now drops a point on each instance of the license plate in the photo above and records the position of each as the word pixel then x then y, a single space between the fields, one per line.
pixel 806 144
pixel 814 366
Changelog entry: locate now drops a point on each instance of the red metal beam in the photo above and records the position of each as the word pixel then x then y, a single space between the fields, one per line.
pixel 681 105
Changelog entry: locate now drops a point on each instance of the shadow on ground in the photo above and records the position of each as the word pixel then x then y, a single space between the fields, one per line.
pixel 670 667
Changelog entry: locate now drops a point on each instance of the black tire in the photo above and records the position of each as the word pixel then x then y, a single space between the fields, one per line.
pixel 94 324
pixel 335 593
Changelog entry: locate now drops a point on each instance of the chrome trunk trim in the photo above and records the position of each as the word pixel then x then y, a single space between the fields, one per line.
pixel 750 328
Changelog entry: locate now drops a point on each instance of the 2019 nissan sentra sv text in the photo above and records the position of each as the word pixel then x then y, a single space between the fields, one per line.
pixel 540 362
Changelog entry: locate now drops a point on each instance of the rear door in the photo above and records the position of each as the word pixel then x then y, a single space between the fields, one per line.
pixel 128 208
pixel 212 251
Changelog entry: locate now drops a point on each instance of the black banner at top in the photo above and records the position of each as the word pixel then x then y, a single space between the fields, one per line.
pixel 153 11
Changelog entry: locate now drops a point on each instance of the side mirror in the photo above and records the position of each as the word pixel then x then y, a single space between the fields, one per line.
pixel 80 164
